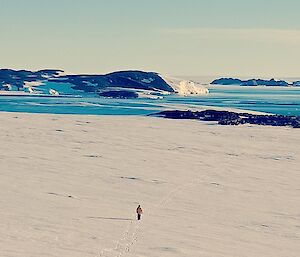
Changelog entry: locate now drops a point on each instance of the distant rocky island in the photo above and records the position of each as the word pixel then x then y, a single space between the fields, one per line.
pixel 120 84
pixel 254 82
pixel 233 118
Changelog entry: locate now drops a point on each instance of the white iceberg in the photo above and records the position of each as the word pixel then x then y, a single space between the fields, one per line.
pixel 186 87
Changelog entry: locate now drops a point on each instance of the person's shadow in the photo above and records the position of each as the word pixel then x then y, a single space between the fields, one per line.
pixel 110 218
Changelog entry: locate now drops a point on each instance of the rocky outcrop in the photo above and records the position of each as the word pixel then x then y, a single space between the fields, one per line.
pixel 89 83
pixel 233 118
pixel 296 84
pixel 261 82
pixel 123 79
pixel 250 82
pixel 18 78
pixel 149 84
pixel 227 81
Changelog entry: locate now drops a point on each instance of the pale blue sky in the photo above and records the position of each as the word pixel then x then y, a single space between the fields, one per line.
pixel 178 37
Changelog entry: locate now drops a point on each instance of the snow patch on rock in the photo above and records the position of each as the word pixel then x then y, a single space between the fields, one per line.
pixel 28 84
pixel 147 80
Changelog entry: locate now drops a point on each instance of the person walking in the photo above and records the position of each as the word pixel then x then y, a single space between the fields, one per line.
pixel 139 212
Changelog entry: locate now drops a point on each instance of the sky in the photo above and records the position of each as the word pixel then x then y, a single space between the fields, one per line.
pixel 174 37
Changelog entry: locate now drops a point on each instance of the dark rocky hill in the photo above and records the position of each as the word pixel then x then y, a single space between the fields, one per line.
pixel 250 82
pixel 88 83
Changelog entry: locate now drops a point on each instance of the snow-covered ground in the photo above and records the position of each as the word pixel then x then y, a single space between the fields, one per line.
pixel 70 186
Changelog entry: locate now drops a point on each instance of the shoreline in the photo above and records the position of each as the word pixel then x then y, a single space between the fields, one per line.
pixel 166 106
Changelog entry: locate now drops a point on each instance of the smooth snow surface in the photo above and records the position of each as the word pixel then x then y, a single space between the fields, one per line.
pixel 70 186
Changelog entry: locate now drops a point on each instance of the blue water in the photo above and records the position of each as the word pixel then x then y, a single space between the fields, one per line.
pixel 272 100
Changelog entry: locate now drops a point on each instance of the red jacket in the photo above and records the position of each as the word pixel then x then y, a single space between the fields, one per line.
pixel 139 210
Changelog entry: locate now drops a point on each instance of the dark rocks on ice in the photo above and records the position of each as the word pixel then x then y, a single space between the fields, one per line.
pixel 233 118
